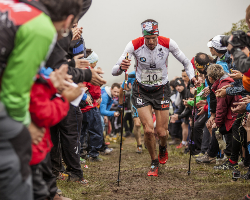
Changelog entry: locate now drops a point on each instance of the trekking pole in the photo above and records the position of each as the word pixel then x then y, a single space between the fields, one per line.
pixel 192 131
pixel 122 114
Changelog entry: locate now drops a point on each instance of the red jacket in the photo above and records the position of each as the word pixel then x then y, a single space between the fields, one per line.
pixel 224 114
pixel 95 92
pixel 45 113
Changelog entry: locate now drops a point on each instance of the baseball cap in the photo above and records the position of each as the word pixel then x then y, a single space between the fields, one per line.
pixel 215 43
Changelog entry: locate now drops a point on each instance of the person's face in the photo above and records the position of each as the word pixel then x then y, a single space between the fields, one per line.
pixel 201 70
pixel 211 80
pixel 179 88
pixel 184 77
pixel 201 78
pixel 151 41
pixel 115 92
pixel 93 65
pixel 212 51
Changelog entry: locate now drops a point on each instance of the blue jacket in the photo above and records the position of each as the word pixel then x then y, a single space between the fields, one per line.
pixel 107 102
pixel 131 79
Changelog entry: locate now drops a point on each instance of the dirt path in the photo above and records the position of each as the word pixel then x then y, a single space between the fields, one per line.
pixel 172 183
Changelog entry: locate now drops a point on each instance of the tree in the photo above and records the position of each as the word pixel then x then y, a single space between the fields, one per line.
pixel 240 25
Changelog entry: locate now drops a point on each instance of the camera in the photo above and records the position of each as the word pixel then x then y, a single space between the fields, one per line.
pixel 236 175
pixel 240 39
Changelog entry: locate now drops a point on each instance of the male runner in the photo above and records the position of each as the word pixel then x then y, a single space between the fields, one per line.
pixel 136 119
pixel 151 88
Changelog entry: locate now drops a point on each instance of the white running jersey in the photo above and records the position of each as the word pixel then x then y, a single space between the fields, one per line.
pixel 152 65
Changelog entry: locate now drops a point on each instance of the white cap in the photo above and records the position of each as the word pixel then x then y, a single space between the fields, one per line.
pixel 215 43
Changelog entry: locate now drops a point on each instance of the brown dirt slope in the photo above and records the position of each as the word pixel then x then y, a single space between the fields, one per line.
pixel 173 182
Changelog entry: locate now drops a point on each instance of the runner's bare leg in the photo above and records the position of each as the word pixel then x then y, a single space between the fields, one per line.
pixel 162 118
pixel 137 130
pixel 145 115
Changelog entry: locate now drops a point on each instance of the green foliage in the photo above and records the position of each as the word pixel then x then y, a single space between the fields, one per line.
pixel 240 25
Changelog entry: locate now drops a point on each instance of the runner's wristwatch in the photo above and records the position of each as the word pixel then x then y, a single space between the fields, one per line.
pixel 122 69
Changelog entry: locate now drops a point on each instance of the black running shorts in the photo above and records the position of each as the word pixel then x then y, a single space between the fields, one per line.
pixel 156 96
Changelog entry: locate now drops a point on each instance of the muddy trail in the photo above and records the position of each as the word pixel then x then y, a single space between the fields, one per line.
pixel 173 182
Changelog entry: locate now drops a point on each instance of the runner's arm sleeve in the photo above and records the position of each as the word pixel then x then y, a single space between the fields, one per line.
pixel 179 55
pixel 129 49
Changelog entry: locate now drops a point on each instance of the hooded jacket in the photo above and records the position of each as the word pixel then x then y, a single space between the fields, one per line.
pixel 107 102
pixel 27 36
pixel 45 111
pixel 224 114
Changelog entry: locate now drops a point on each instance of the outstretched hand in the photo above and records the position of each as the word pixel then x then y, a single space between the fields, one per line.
pixel 97 78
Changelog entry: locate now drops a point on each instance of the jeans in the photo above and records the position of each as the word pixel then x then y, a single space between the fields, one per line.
pixel 92 132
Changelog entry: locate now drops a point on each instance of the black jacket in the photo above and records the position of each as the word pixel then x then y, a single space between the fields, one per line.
pixel 184 111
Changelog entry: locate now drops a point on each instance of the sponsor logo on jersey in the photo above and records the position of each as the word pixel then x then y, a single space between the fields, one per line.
pixel 165 102
pixel 139 101
pixel 160 54
pixel 143 59
pixel 165 106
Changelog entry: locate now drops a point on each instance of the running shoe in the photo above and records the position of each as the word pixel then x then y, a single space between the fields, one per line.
pixel 139 150
pixel 61 176
pixel 153 170
pixel 247 197
pixel 198 155
pixel 205 159
pixel 163 155
pixel 180 146
pixel 108 151
pixel 227 165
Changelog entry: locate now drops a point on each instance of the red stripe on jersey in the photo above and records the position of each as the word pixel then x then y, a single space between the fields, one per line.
pixel 163 41
pixel 138 42
pixel 19 13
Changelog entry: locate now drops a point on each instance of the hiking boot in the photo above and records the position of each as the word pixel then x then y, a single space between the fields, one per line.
pixel 174 141
pixel 139 150
pixel 205 159
pixel 220 161
pixel 226 166
pixel 95 159
pixel 163 154
pixel 198 155
pixel 153 169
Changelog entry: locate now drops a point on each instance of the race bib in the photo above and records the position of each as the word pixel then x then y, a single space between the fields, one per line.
pixel 151 77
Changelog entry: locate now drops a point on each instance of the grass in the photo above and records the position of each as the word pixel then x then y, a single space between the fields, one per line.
pixel 173 182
